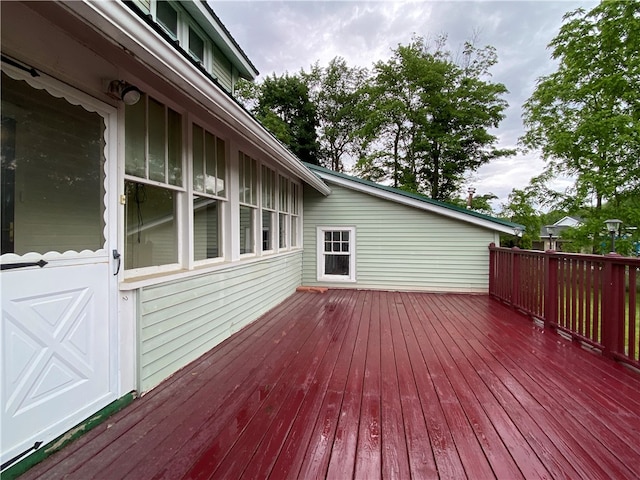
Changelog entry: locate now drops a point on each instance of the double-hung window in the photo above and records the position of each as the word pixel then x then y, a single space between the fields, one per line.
pixel 336 254
pixel 153 183
pixel 209 193
pixel 283 217
pixel 268 185
pixel 295 213
pixel 248 189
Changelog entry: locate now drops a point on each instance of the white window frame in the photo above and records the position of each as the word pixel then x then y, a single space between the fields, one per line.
pixel 183 28
pixel 320 254
pixel 222 200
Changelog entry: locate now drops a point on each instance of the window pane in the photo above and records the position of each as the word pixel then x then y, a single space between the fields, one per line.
pixel 220 169
pixel 174 149
pixel 345 246
pixel 327 236
pixel 294 231
pixel 52 172
pixel 246 230
pixel 345 236
pixel 198 162
pixel 150 226
pixel 210 163
pixel 336 236
pixel 135 134
pixel 168 17
pixel 157 141
pixel 206 228
pixel 267 230
pixel 241 190
pixel 336 265
pixel 196 45
pixel 282 234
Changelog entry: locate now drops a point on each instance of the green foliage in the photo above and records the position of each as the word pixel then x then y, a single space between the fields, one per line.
pixel 585 118
pixel 429 117
pixel 283 106
pixel 335 91
pixel 520 208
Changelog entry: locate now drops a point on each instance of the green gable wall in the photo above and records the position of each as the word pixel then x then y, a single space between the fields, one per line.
pixel 398 247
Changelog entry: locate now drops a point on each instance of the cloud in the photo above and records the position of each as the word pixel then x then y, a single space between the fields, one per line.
pixel 285 36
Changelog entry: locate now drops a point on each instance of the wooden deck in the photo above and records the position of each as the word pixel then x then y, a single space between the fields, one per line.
pixel 361 384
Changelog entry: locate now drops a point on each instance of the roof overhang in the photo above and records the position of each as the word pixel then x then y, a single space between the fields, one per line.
pixel 120 25
pixel 398 197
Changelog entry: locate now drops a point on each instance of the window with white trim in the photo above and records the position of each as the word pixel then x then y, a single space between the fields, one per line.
pixel 209 193
pixel 268 185
pixel 283 217
pixel 295 213
pixel 153 183
pixel 181 28
pixel 248 193
pixel 336 254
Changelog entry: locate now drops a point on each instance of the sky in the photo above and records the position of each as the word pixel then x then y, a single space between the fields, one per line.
pixel 287 36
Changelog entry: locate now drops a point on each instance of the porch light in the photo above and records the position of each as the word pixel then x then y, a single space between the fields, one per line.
pixel 121 90
pixel 613 225
pixel 551 230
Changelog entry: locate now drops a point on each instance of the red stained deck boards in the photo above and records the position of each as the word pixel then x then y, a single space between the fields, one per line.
pixel 364 384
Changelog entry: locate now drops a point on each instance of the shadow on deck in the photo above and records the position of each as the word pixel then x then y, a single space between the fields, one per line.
pixel 361 384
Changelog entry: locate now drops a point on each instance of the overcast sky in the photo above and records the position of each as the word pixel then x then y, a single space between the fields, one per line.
pixel 287 36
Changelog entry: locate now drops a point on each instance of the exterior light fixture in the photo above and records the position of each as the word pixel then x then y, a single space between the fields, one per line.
pixel 518 231
pixel 613 225
pixel 551 230
pixel 121 90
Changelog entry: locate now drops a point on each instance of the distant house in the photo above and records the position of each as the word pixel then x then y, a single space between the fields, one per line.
pixel 146 216
pixel 551 235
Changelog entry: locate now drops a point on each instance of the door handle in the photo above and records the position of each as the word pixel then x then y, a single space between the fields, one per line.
pixel 11 266
pixel 116 256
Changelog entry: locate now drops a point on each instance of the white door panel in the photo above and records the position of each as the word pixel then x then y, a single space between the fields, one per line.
pixel 55 360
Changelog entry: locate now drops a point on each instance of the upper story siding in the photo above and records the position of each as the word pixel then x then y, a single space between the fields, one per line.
pixel 194 30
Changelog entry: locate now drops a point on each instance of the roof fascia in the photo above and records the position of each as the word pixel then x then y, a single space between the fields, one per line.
pixel 429 207
pixel 123 27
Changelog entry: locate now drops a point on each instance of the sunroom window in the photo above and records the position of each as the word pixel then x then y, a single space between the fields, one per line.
pixel 209 193
pixel 153 182
pixel 268 207
pixel 248 183
pixel 283 217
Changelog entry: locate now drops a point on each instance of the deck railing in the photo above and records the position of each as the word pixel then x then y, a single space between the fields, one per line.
pixel 593 299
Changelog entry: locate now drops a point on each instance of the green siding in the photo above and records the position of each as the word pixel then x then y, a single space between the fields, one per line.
pixel 222 69
pixel 181 320
pixel 397 246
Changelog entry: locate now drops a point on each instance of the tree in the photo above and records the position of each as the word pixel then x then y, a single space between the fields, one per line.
pixel 585 117
pixel 429 117
pixel 335 92
pixel 520 208
pixel 283 106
